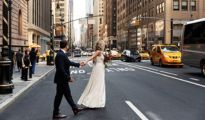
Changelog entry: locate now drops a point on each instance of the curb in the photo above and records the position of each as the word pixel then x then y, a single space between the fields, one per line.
pixel 15 96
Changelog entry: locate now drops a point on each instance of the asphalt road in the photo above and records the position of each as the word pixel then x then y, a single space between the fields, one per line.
pixel 134 91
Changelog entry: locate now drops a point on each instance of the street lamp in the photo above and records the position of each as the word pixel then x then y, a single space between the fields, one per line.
pixel 50 58
pixel 6 85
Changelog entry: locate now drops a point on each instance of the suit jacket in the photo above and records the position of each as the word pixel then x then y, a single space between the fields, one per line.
pixel 63 64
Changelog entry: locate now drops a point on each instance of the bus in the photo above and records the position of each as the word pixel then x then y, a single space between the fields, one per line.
pixel 193 44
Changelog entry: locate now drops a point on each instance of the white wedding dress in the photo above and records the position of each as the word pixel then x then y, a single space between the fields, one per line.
pixel 94 94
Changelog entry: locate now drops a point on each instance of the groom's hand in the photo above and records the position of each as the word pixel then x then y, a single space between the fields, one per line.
pixel 71 80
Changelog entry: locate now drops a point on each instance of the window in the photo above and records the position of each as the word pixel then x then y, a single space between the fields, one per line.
pixel 20 23
pixel 193 5
pixel 157 9
pixel 100 21
pixel 176 5
pixel 163 7
pixel 184 6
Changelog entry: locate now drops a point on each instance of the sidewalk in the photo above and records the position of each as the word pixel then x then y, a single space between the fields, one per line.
pixel 20 85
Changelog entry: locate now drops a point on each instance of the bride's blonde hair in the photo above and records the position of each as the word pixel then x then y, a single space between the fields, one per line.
pixel 100 45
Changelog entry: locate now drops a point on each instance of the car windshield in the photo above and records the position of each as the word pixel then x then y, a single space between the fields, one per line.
pixel 77 51
pixel 169 49
pixel 133 53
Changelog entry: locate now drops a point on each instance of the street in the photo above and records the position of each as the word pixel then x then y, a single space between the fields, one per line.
pixel 134 91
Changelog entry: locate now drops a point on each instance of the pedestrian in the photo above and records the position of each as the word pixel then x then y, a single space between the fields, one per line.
pixel 26 65
pixel 62 77
pixel 32 55
pixel 19 57
pixel 37 55
pixel 12 63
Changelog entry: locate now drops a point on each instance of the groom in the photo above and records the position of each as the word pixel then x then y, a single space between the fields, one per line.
pixel 62 79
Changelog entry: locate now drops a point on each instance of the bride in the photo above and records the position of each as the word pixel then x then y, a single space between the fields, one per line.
pixel 94 94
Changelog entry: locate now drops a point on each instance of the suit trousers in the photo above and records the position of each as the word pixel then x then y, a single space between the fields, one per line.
pixel 62 89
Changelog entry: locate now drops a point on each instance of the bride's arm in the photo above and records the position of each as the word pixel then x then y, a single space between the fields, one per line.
pixel 97 53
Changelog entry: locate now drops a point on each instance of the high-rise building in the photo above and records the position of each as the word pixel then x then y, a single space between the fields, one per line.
pixel 71 30
pixel 111 22
pixel 62 11
pixel 141 23
pixel 39 23
pixel 98 26
pixel 19 24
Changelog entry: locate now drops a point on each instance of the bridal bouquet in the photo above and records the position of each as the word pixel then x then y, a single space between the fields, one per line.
pixel 107 59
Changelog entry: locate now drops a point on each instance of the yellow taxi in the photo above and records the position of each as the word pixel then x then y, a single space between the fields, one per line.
pixel 115 54
pixel 144 55
pixel 163 54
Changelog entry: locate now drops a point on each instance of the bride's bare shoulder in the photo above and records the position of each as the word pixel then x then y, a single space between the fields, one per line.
pixel 98 52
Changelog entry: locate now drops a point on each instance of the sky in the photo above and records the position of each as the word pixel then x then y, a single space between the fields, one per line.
pixel 79 9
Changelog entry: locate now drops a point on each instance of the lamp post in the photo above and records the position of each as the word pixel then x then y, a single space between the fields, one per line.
pixel 6 85
pixel 51 53
pixel 171 30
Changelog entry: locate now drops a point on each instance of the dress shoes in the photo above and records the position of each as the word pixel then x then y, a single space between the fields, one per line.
pixel 59 116
pixel 77 110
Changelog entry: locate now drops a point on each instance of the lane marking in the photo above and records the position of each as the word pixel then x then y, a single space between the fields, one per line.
pixel 137 111
pixel 179 79
pixel 168 73
pixel 156 70
pixel 153 115
pixel 194 79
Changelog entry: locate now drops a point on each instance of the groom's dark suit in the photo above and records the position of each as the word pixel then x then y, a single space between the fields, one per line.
pixel 62 77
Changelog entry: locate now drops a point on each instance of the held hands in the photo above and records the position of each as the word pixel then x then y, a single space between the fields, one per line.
pixel 82 63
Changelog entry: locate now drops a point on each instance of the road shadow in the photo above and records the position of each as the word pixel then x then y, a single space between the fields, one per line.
pixel 195 74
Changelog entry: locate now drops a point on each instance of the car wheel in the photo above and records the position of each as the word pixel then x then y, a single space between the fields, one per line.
pixel 139 60
pixel 203 68
pixel 125 59
pixel 122 59
pixel 152 63
pixel 160 63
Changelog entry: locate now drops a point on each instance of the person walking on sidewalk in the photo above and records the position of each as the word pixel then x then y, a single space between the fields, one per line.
pixel 19 57
pixel 26 66
pixel 62 77
pixel 33 59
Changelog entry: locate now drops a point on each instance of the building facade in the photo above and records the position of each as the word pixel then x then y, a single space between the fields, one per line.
pixel 62 11
pixel 39 23
pixel 110 10
pixel 98 26
pixel 19 25
pixel 142 23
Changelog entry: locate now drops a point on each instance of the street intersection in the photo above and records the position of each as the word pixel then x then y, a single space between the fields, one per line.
pixel 134 91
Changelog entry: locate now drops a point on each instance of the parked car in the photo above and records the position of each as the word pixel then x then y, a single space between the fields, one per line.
pixel 84 53
pixel 77 53
pixel 130 56
pixel 164 54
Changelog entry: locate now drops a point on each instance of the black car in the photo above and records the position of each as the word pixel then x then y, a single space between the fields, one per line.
pixel 130 56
